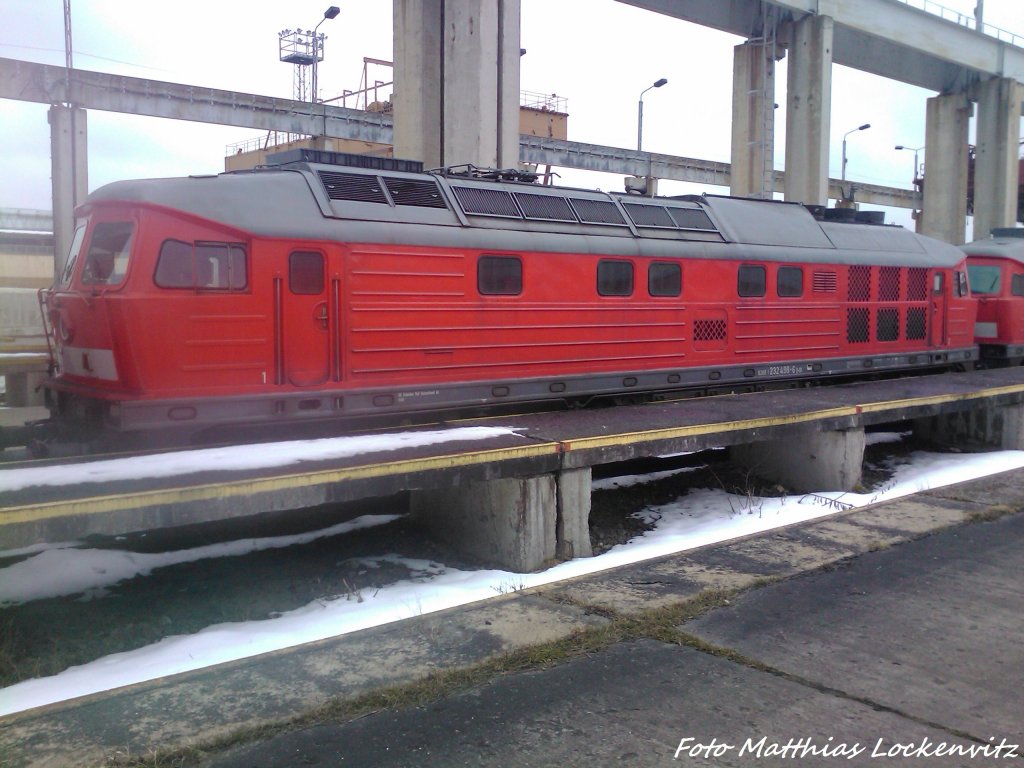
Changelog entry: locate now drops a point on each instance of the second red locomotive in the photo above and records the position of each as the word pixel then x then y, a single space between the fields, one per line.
pixel 311 290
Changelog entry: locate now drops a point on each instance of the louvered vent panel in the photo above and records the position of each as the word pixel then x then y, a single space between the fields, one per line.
pixel 823 282
pixel 415 192
pixel 691 218
pixel 487 202
pixel 596 211
pixel 545 207
pixel 649 215
pixel 352 186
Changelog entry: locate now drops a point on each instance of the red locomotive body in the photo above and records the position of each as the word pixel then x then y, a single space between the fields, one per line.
pixel 309 290
pixel 996 269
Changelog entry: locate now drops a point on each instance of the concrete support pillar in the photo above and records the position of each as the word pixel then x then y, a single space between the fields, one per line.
pixel 25 389
pixel 996 155
pixel 572 529
pixel 456 96
pixel 808 111
pixel 753 121
pixel 820 461
pixel 69 176
pixel 995 426
pixel 944 213
pixel 518 524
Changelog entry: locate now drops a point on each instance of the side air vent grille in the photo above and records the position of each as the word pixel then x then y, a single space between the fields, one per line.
pixel 487 202
pixel 545 207
pixel 649 215
pixel 597 211
pixel 353 186
pixel 691 218
pixel 415 192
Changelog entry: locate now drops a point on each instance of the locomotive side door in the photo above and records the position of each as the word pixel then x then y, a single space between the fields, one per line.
pixel 937 321
pixel 306 319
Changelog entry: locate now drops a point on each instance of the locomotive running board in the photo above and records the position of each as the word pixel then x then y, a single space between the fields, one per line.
pixel 318 405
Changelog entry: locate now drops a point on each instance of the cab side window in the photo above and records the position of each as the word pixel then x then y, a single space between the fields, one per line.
pixel 110 245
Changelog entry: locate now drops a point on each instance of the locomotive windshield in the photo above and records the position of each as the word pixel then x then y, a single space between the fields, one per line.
pixel 109 247
pixel 76 246
pixel 984 278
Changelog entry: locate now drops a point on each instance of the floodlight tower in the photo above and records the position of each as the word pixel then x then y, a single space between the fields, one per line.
pixel 304 48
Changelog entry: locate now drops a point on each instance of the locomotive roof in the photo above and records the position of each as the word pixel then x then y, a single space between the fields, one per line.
pixel 1003 243
pixel 326 202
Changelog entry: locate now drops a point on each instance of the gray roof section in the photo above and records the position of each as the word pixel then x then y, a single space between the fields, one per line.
pixel 292 202
pixel 1002 247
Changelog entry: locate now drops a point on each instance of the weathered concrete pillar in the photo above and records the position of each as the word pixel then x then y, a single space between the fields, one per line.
pixel 25 389
pixel 944 213
pixel 69 176
pixel 996 155
pixel 808 111
pixel 518 524
pixel 819 461
pixel 996 426
pixel 753 121
pixel 456 96
pixel 572 530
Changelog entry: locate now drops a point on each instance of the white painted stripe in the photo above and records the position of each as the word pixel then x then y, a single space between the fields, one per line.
pixel 986 330
pixel 95 363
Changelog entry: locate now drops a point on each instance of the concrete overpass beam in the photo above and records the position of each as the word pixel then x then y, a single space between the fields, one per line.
pixel 996 155
pixel 521 524
pixel 944 212
pixel 457 82
pixel 817 461
pixel 753 98
pixel 808 111
pixel 69 175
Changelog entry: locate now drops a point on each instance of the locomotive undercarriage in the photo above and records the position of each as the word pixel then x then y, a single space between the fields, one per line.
pixel 93 425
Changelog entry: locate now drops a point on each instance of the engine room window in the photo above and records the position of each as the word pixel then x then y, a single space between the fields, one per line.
pixel 664 279
pixel 615 278
pixel 751 281
pixel 107 259
pixel 204 266
pixel 306 272
pixel 789 281
pixel 1017 285
pixel 499 276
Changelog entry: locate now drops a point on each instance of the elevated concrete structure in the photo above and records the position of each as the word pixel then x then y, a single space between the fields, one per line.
pixel 892 39
pixel 815 461
pixel 456 94
pixel 996 164
pixel 753 120
pixel 944 215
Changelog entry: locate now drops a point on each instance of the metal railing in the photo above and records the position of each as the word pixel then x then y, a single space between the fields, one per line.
pixel 965 20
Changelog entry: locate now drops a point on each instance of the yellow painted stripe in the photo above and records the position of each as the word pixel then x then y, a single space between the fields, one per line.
pixel 669 433
pixel 240 488
pixel 234 489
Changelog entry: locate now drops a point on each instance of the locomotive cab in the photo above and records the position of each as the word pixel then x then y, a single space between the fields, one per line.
pixel 996 269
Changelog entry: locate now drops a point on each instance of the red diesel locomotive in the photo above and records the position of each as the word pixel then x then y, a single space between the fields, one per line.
pixel 310 290
pixel 996 269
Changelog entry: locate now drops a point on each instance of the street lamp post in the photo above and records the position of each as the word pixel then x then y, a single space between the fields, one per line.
pixel 917 167
pixel 330 13
pixel 640 113
pixel 861 128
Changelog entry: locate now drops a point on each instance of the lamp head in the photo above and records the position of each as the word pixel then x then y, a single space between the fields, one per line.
pixel 331 12
pixel 661 82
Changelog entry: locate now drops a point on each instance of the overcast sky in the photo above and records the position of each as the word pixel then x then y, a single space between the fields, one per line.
pixel 598 54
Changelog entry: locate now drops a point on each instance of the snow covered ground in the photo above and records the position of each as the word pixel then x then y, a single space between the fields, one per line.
pixel 696 519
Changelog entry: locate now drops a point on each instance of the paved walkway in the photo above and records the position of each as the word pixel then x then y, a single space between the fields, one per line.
pixel 859 636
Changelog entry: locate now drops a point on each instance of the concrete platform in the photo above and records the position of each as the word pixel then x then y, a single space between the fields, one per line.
pixel 897 622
